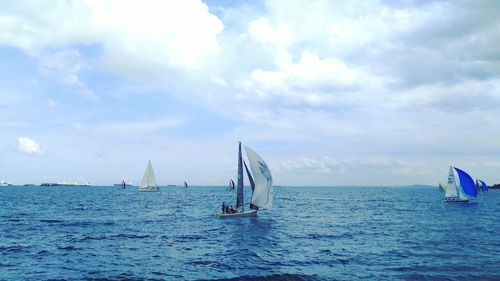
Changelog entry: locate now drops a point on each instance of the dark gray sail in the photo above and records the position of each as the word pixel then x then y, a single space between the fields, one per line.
pixel 239 196
pixel 252 185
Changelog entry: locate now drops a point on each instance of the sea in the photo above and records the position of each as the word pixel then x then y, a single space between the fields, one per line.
pixel 312 233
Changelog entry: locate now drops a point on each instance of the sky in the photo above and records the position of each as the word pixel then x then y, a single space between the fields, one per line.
pixel 357 92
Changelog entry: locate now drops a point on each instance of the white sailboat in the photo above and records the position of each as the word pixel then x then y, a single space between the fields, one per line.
pixel 5 183
pixel 261 183
pixel 148 182
pixel 461 191
pixel 442 187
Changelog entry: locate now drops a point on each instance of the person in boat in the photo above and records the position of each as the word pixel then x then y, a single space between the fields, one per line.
pixel 231 210
pixel 224 207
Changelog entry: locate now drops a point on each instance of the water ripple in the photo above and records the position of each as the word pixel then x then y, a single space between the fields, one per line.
pixel 348 233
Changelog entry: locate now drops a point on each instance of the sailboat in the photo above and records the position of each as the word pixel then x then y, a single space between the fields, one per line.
pixel 5 183
pixel 481 186
pixel 231 184
pixel 442 187
pixel 148 182
pixel 185 185
pixel 261 183
pixel 462 191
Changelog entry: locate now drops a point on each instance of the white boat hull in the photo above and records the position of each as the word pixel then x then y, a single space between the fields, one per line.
pixel 250 213
pixel 152 189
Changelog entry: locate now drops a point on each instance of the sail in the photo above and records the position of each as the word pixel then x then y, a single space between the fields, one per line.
pixel 239 196
pixel 442 187
pixel 466 183
pixel 185 185
pixel 252 184
pixel 231 184
pixel 484 187
pixel 263 193
pixel 451 188
pixel 148 180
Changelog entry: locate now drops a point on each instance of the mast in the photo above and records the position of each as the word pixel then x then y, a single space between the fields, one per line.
pixel 239 196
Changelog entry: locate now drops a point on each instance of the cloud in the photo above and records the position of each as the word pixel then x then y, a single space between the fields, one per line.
pixel 29 146
pixel 327 164
pixel 88 94
pixel 134 128
pixel 156 33
pixel 346 78
pixel 64 66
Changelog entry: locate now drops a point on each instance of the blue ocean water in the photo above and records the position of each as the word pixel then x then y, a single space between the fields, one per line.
pixel 337 233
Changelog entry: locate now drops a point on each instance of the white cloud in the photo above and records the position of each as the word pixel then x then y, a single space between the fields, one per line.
pixel 262 31
pixel 363 77
pixel 64 66
pixel 88 94
pixel 126 129
pixel 29 146
pixel 327 164
pixel 162 33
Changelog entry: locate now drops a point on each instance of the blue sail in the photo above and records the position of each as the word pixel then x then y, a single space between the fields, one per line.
pixel 484 187
pixel 239 196
pixel 467 183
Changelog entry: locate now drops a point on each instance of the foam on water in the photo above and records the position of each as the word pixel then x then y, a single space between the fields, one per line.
pixel 338 233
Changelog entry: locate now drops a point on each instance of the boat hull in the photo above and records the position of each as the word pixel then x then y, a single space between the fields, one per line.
pixel 149 189
pixel 455 200
pixel 250 213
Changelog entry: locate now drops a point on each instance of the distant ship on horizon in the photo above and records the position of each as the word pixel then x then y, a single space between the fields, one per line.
pixel 5 183
pixel 64 184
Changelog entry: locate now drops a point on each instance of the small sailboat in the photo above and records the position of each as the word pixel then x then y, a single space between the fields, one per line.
pixel 123 184
pixel 461 191
pixel 442 187
pixel 148 182
pixel 261 183
pixel 481 186
pixel 186 185
pixel 5 183
pixel 231 184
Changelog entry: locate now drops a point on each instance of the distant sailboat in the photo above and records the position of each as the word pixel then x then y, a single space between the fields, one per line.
pixel 123 184
pixel 5 183
pixel 185 185
pixel 261 183
pixel 481 186
pixel 462 191
pixel 231 184
pixel 442 187
pixel 148 182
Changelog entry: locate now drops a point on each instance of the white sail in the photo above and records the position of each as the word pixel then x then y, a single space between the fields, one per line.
pixel 263 193
pixel 148 182
pixel 451 188
pixel 442 187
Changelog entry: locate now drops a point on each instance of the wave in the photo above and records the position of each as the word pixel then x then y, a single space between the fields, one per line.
pixel 273 277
